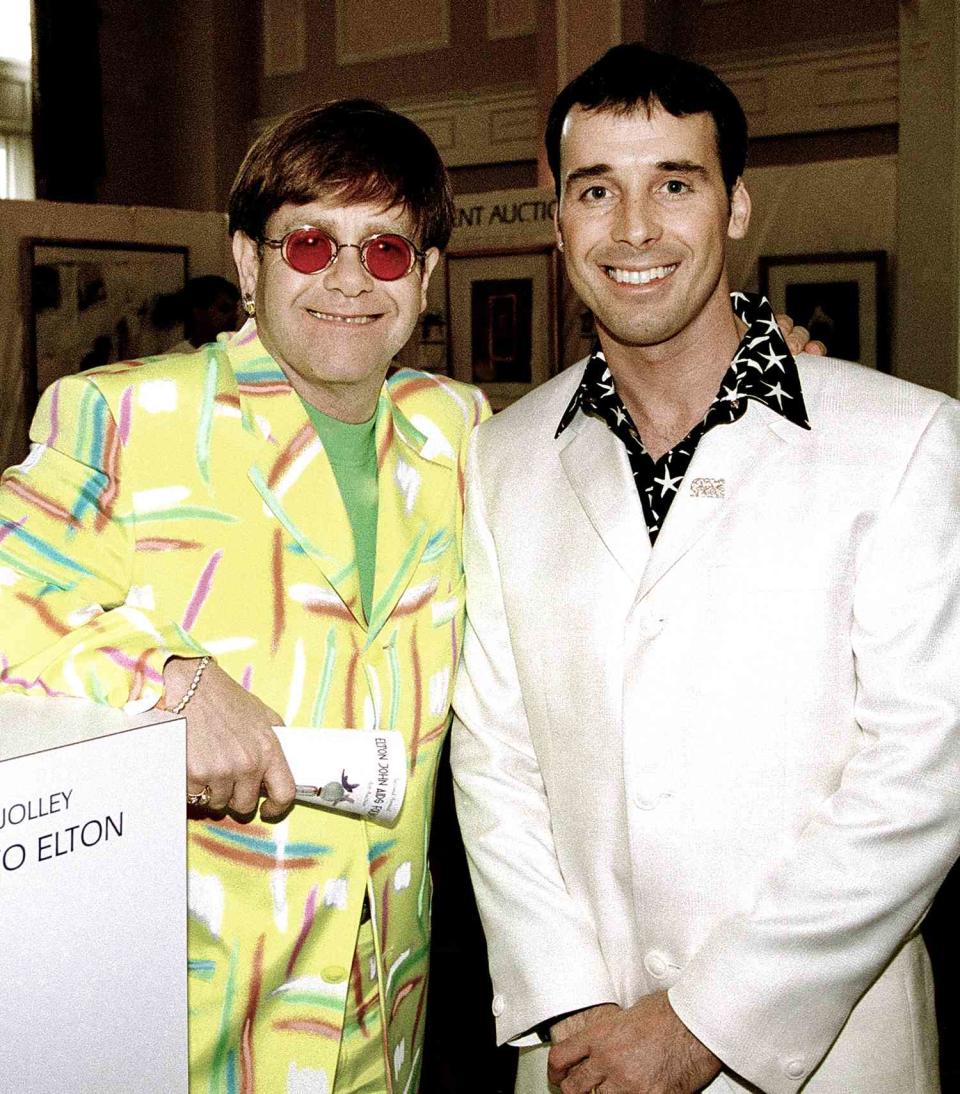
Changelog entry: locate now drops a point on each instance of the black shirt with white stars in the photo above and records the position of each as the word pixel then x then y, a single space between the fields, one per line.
pixel 762 369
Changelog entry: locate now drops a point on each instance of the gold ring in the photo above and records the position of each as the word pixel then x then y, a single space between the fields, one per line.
pixel 201 799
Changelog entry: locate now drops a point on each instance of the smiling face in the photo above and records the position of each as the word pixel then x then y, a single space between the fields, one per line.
pixel 644 216
pixel 334 333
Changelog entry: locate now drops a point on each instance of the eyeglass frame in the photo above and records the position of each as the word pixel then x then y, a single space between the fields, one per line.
pixel 280 244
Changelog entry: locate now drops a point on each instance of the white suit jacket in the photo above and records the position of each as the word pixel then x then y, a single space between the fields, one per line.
pixel 728 766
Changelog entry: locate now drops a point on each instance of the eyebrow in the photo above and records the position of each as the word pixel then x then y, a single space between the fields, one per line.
pixel 286 226
pixel 590 172
pixel 596 170
pixel 681 167
pixel 325 223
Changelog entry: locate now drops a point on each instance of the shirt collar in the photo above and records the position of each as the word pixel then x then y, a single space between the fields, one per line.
pixel 762 369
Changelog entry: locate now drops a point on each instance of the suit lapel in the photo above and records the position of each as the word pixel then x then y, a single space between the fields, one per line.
pixel 412 483
pixel 292 474
pixel 725 462
pixel 596 464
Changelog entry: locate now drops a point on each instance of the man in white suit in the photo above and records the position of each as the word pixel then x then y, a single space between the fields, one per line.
pixel 707 755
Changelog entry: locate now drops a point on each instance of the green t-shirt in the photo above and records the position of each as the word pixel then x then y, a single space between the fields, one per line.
pixel 352 451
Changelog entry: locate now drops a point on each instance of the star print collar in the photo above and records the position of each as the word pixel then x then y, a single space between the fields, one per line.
pixel 762 369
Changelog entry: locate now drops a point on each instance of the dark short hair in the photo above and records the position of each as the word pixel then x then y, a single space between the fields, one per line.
pixel 351 150
pixel 629 76
pixel 201 292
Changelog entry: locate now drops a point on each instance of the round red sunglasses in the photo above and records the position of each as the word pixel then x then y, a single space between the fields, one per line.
pixel 386 256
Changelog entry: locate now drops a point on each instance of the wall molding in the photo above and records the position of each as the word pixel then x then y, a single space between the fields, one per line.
pixel 353 16
pixel 850 87
pixel 511 18
pixel 479 128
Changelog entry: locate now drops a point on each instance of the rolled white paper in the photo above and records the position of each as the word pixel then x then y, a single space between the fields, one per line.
pixel 357 771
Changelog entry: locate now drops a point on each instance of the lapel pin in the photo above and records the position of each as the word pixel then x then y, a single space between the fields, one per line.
pixel 708 488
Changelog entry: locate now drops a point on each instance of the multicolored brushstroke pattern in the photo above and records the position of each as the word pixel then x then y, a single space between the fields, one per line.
pixel 184 504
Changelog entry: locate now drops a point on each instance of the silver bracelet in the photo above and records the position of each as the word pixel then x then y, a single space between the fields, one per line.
pixel 192 690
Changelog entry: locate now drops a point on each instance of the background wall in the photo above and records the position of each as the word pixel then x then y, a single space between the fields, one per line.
pixel 842 205
pixel 384 38
pixel 179 85
pixel 186 85
pixel 204 234
pixel 731 27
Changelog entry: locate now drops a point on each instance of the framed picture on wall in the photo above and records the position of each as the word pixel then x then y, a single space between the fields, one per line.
pixel 90 302
pixel 502 322
pixel 841 297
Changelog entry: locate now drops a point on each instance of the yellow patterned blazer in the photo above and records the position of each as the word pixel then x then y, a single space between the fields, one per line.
pixel 185 504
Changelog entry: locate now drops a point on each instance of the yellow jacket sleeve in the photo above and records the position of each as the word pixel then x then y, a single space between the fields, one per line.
pixel 70 621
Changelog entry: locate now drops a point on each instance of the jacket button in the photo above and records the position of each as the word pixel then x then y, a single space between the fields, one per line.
pixel 497 1006
pixel 648 790
pixel 656 964
pixel 334 974
pixel 794 1069
pixel 646 624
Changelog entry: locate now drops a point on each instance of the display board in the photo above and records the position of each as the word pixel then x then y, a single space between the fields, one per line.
pixel 92 899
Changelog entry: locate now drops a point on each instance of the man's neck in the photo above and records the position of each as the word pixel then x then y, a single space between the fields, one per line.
pixel 347 402
pixel 668 388
pixel 351 403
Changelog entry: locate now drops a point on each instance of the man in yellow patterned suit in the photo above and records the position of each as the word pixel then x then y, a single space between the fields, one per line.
pixel 263 532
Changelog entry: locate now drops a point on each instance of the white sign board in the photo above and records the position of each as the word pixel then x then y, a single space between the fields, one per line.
pixel 92 900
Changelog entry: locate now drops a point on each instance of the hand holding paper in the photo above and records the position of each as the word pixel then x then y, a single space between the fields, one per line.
pixel 230 747
pixel 363 772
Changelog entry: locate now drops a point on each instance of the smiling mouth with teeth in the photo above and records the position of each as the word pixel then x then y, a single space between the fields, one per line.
pixel 639 277
pixel 355 320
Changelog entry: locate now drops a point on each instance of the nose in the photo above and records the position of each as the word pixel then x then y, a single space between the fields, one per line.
pixel 346 274
pixel 638 221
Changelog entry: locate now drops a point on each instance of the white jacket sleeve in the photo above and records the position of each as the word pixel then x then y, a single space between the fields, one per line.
pixel 771 987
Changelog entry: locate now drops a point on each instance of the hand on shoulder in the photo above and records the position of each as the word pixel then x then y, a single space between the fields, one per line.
pixel 798 338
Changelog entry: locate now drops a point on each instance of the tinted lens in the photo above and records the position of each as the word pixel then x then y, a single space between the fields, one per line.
pixel 307 250
pixel 388 257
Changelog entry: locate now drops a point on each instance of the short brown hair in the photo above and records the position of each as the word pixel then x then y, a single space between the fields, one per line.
pixel 354 150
